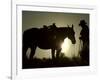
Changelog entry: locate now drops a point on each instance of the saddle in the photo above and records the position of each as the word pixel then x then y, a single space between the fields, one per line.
pixel 50 27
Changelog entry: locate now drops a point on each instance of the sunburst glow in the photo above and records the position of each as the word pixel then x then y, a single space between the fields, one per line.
pixel 65 46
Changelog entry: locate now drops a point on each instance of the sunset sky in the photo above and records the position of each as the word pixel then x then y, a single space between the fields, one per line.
pixel 32 19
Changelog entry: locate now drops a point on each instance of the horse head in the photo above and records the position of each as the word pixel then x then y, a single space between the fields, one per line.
pixel 71 34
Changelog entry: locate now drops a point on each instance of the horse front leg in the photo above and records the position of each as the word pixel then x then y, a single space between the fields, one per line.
pixel 53 53
pixel 58 53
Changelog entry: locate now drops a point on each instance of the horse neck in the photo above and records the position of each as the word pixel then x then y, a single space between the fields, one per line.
pixel 65 33
pixel 68 33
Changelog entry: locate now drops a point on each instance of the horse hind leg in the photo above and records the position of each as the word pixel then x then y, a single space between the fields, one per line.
pixel 24 57
pixel 25 47
pixel 58 53
pixel 33 48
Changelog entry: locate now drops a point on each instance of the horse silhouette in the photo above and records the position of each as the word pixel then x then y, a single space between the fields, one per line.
pixel 46 38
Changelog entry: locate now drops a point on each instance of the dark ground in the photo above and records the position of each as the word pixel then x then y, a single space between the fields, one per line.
pixel 58 62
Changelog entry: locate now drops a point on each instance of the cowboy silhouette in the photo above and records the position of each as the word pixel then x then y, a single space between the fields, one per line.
pixel 84 37
pixel 84 34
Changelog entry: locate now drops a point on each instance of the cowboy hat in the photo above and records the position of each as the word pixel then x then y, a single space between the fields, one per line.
pixel 82 22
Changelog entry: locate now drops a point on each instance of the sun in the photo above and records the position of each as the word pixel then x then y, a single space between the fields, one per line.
pixel 65 45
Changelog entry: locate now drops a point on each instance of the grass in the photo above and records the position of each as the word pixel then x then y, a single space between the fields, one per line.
pixel 58 62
